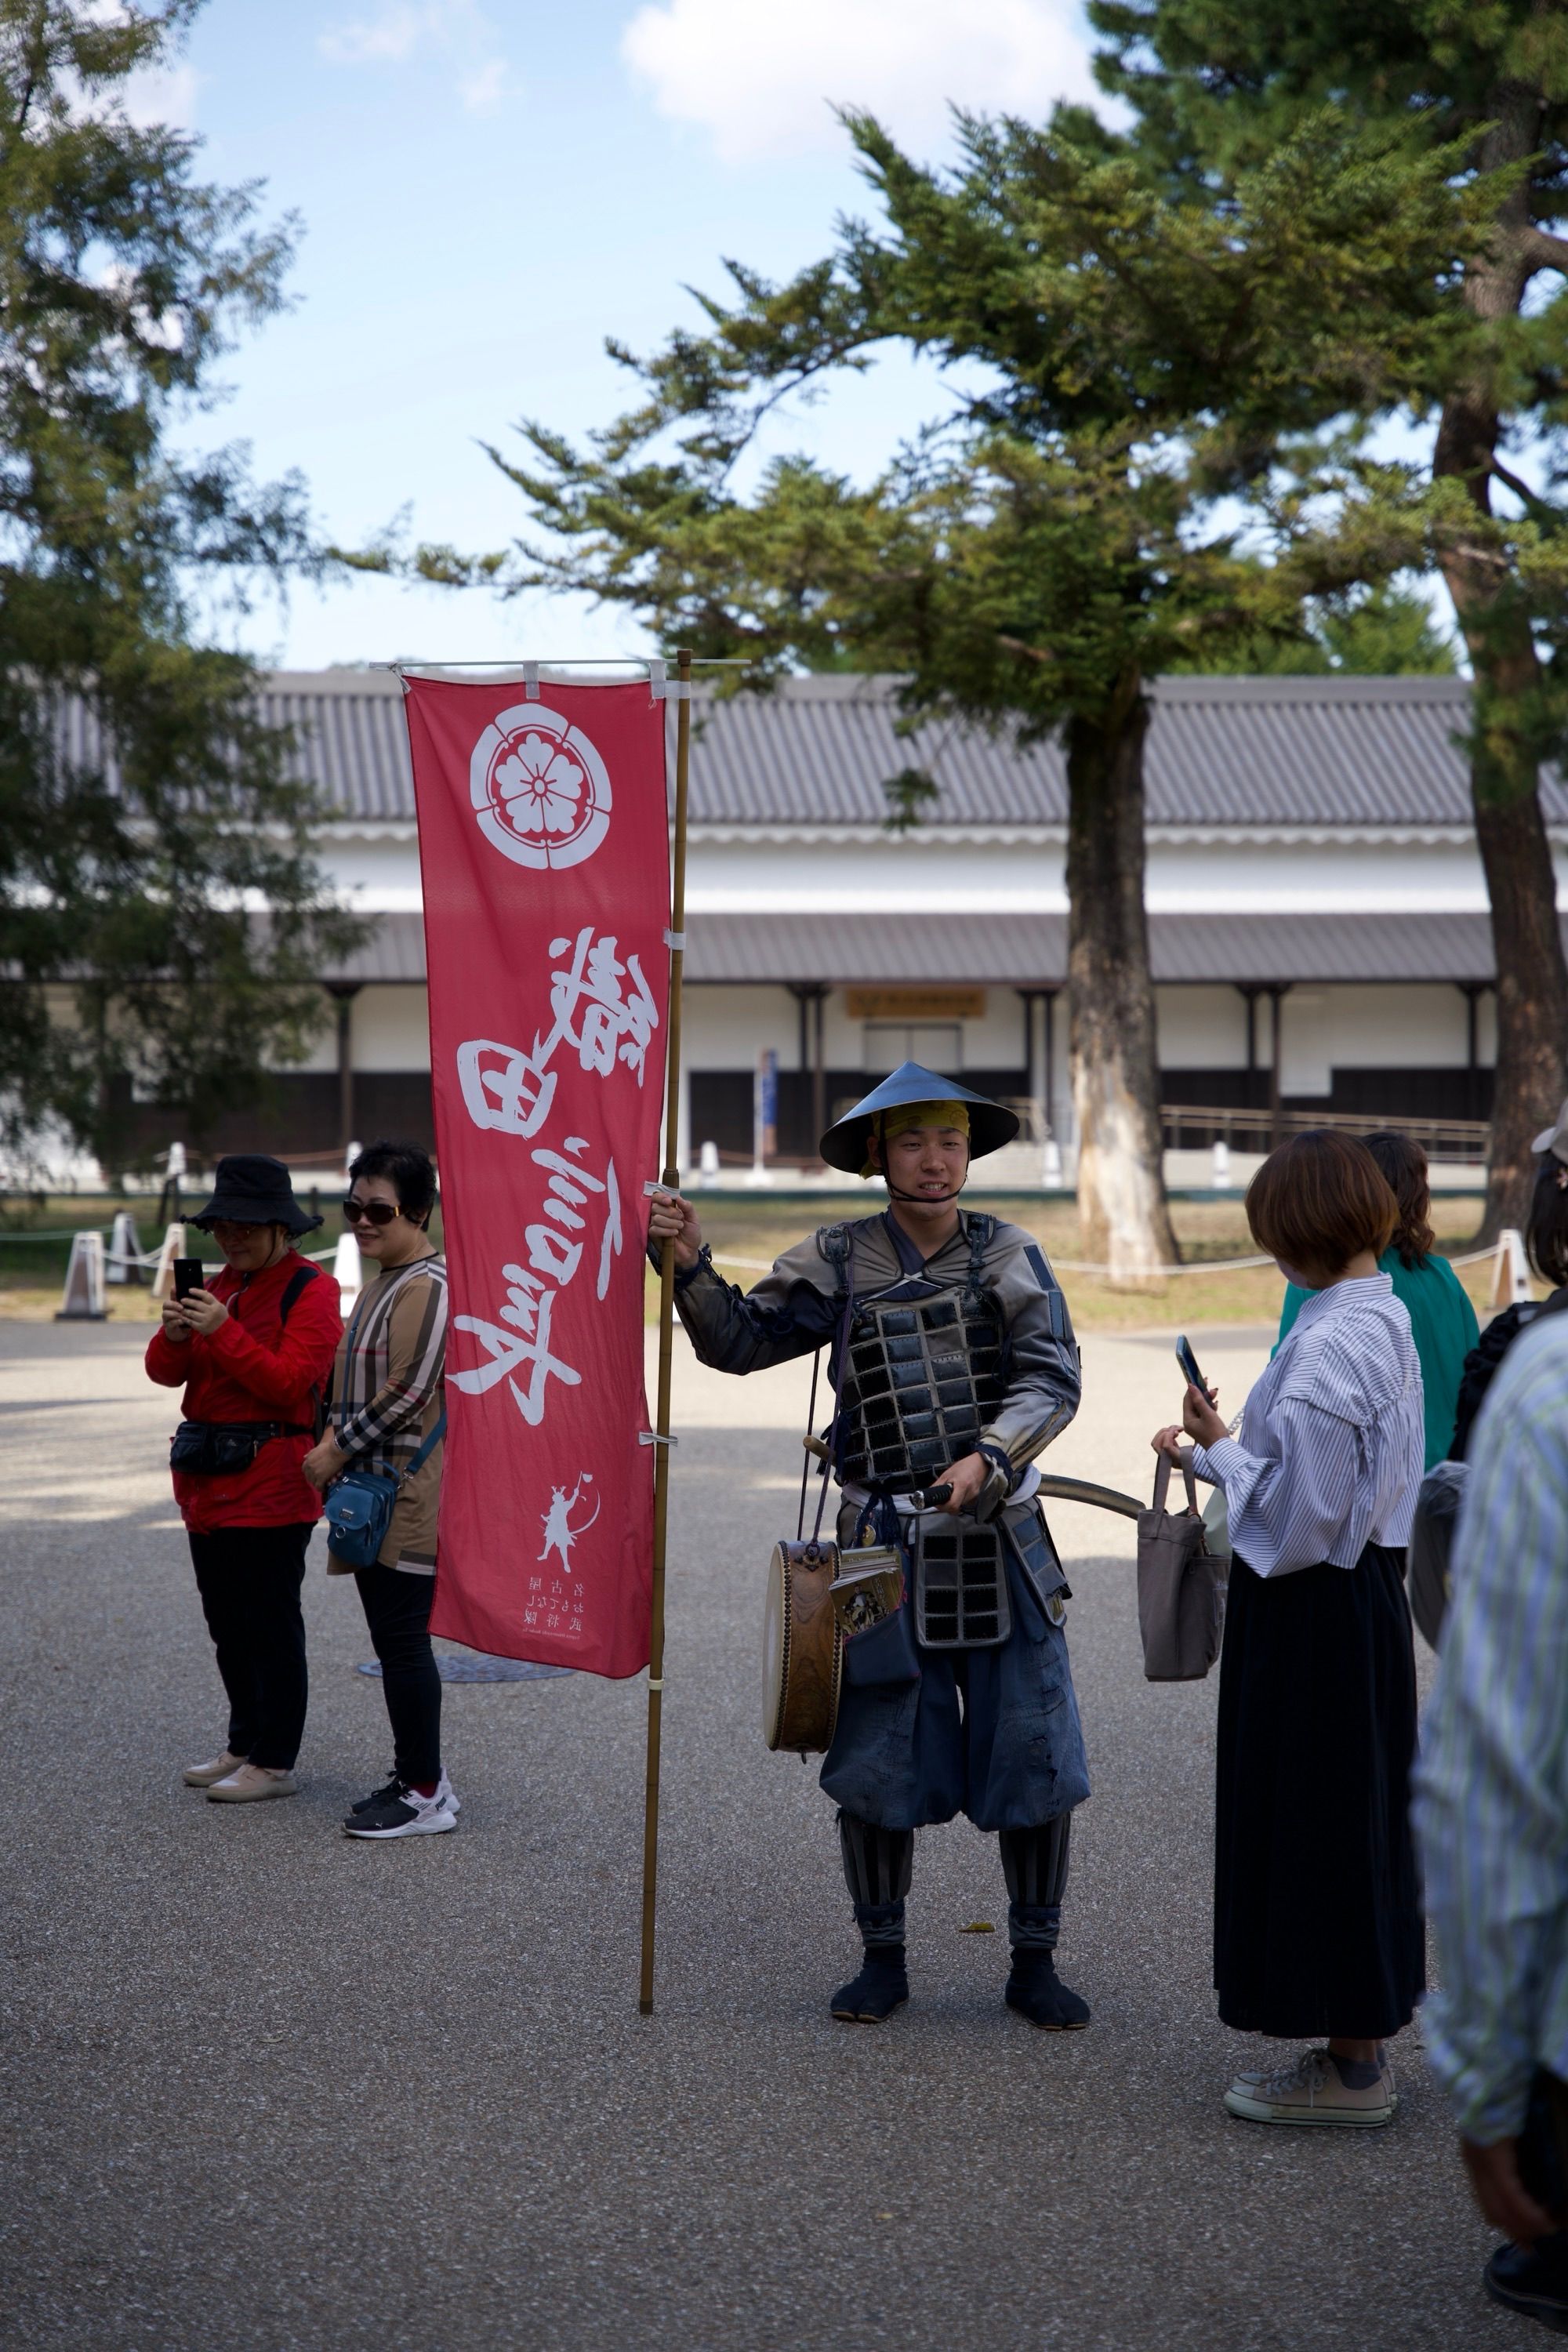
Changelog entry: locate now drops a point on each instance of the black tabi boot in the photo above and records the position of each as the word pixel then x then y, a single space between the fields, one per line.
pixel 880 1987
pixel 1037 1992
pixel 877 1866
pixel 1034 1864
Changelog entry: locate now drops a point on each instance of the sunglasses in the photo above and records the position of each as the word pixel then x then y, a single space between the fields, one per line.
pixel 373 1213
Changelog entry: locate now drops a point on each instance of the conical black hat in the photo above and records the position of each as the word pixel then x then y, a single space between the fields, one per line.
pixel 990 1124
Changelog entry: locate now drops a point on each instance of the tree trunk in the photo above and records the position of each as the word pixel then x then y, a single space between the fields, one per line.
pixel 1122 1210
pixel 1510 830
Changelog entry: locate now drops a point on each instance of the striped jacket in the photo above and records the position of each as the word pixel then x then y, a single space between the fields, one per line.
pixel 388 1393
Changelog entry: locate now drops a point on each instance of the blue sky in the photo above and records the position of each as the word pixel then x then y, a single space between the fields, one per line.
pixel 487 191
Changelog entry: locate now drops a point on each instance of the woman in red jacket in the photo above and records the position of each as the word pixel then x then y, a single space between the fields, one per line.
pixel 253 1353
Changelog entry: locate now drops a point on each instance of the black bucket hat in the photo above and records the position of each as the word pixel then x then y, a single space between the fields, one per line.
pixel 991 1125
pixel 252 1190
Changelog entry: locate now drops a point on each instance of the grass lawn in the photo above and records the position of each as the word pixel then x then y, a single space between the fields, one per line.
pixel 747 1233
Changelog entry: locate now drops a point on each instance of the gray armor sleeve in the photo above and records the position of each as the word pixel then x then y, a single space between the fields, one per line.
pixel 1044 1378
pixel 785 1315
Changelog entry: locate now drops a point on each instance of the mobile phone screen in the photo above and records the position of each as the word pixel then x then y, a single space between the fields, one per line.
pixel 1189 1364
pixel 187 1275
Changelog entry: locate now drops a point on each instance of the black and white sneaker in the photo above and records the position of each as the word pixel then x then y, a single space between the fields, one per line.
pixel 397 1812
pixel 443 1792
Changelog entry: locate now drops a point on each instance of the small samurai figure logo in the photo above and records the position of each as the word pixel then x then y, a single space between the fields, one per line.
pixel 559 1535
pixel 539 790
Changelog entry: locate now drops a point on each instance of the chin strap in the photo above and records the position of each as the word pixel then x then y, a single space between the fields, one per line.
pixel 923 1200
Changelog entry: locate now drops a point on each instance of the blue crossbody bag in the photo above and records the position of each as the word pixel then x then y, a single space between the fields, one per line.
pixel 360 1506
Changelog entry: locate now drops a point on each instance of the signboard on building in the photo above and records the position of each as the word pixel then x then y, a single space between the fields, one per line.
pixel 912 1003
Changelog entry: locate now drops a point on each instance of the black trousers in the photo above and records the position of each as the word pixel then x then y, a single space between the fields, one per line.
pixel 249 1579
pixel 398 1610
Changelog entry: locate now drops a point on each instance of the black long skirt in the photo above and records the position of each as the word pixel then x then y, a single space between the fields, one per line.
pixel 1317 1913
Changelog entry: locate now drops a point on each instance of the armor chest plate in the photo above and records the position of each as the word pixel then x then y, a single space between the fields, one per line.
pixel 919 1380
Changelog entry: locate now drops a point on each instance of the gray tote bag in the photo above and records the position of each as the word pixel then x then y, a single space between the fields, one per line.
pixel 1181 1586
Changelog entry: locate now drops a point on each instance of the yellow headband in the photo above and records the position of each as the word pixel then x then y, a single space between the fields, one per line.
pixel 889 1123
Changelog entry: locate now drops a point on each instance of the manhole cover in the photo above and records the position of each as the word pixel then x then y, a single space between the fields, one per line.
pixel 484 1670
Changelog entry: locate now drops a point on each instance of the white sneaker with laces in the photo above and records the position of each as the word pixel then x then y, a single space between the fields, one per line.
pixel 1313 2091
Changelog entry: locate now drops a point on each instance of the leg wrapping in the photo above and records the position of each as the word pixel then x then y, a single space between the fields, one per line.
pixel 877 1866
pixel 1034 1864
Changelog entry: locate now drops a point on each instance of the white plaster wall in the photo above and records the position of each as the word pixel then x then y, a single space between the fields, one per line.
pixel 378 875
pixel 392 1028
pixel 1377 1028
pixel 1205 1028
pixel 923 873
pixel 893 872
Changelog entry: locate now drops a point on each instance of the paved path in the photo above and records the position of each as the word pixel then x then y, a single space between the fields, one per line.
pixel 276 2089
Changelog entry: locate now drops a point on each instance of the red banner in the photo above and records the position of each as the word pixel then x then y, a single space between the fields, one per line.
pixel 545 852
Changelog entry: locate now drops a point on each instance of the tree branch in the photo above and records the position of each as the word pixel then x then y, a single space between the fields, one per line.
pixel 1029 652
pixel 1521 490
pixel 1544 251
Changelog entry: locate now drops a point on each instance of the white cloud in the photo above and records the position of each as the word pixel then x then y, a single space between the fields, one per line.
pixel 486 89
pixel 388 38
pixel 760 76
pixel 167 95
pixel 400 31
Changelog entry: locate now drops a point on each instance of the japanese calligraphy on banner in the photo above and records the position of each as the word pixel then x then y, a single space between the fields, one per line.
pixel 544 853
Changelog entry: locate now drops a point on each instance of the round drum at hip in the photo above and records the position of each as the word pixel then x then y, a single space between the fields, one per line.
pixel 802 1649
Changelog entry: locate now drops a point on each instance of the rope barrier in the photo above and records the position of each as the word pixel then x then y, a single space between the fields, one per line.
pixel 1090 1265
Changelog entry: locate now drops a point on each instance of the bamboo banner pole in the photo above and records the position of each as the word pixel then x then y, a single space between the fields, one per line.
pixel 670 1179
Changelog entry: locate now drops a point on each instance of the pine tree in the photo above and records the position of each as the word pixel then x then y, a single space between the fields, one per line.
pixel 144 807
pixel 1215 82
pixel 1130 358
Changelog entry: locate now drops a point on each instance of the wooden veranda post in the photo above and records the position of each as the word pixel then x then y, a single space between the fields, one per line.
pixel 661 1451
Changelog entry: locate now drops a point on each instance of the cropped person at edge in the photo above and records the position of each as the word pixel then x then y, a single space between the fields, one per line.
pixel 252 1351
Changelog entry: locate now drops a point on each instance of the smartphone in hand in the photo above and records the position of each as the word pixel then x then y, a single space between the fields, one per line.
pixel 188 1275
pixel 1189 1364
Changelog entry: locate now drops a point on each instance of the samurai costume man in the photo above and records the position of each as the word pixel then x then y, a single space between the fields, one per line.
pixel 954 1365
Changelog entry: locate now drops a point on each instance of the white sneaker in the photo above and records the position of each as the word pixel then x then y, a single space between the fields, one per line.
pixel 216 1767
pixel 401 1812
pixel 445 1793
pixel 1313 2092
pixel 252 1784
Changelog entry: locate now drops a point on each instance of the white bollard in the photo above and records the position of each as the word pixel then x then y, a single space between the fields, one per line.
pixel 1051 1166
pixel 82 1300
pixel 348 1272
pixel 708 1164
pixel 1219 1176
pixel 124 1250
pixel 1510 1270
pixel 173 1247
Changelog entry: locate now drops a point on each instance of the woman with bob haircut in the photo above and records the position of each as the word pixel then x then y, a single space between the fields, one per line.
pixel 1318 1924
pixel 1442 1320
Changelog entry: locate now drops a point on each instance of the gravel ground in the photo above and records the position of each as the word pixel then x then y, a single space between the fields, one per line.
pixel 271 2088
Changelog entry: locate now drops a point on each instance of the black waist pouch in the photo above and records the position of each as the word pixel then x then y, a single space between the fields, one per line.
pixel 221 1449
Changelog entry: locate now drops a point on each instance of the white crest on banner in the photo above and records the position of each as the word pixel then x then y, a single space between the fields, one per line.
pixel 559 1535
pixel 541 792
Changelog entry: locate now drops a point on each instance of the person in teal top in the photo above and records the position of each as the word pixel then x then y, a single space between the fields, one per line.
pixel 1442 1320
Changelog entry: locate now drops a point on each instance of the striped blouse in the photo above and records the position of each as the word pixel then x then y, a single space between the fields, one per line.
pixel 388 1390
pixel 1332 1442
